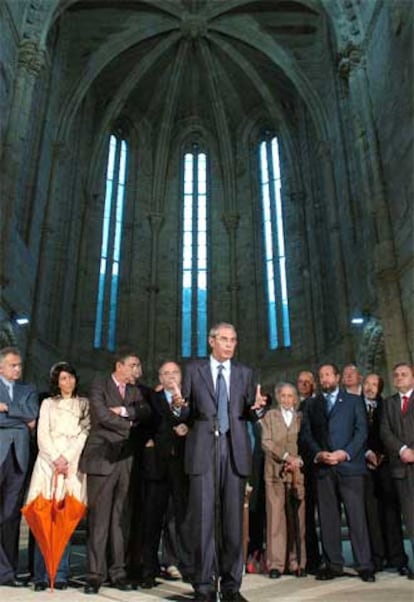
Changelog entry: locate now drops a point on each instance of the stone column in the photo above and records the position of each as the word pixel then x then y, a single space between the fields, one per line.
pixel 340 302
pixel 231 222
pixel 31 59
pixel 155 220
pixel 352 68
pixel 298 201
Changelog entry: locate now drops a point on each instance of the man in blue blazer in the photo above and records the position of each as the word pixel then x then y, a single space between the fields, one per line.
pixel 334 431
pixel 218 459
pixel 18 412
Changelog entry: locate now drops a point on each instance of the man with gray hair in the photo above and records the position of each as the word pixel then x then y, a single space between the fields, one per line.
pixel 19 408
pixel 220 395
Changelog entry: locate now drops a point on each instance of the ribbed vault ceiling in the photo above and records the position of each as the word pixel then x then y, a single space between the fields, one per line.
pixel 214 60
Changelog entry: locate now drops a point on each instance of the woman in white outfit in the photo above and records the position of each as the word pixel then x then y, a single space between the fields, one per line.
pixel 62 430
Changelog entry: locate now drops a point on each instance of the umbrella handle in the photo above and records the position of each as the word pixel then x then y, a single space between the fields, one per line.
pixel 55 484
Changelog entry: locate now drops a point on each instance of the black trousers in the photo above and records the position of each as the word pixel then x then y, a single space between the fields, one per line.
pixel 173 487
pixel 333 489
pixel 108 523
pixel 204 523
pixel 12 481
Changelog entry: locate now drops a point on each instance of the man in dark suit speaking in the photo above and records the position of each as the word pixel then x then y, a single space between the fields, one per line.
pixel 221 397
pixel 334 432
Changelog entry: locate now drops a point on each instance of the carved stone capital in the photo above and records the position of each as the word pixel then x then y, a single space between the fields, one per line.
pixel 30 57
pixel 231 221
pixel 155 219
pixel 153 289
pixel 350 59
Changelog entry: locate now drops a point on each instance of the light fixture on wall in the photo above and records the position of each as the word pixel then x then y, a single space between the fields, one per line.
pixel 19 319
pixel 357 321
pixel 361 318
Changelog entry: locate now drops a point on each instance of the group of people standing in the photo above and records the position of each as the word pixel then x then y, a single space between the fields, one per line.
pixel 139 456
pixel 338 448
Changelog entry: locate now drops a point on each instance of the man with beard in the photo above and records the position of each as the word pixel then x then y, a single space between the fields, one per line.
pixel 334 432
pixel 381 500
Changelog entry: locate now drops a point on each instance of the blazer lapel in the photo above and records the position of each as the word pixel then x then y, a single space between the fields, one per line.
pixel 4 393
pixel 115 395
pixel 206 375
pixel 337 405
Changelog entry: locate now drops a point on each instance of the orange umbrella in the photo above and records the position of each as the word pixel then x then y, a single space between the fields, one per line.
pixel 52 523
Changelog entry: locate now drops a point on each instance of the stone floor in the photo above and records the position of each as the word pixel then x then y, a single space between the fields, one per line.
pixel 389 587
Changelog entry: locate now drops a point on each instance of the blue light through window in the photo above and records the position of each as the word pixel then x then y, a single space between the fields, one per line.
pixel 107 300
pixel 274 245
pixel 194 262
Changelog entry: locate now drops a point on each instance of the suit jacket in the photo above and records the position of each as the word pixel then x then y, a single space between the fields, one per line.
pixel 345 427
pixel 167 444
pixel 13 424
pixel 198 389
pixel 277 439
pixel 374 441
pixel 396 431
pixel 110 438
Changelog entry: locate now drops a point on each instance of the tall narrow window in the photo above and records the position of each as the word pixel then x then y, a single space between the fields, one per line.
pixel 107 301
pixel 194 262
pixel 274 245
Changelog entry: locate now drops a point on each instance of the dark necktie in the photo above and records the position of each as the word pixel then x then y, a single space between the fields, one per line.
pixel 330 398
pixel 405 400
pixel 371 409
pixel 222 401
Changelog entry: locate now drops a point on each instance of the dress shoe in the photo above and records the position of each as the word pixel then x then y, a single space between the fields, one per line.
pixel 148 582
pixel 60 585
pixel 14 583
pixel 300 572
pixel 122 584
pixel 232 597
pixel 201 597
pixel 326 573
pixel 92 587
pixel 274 574
pixel 40 586
pixel 367 576
pixel 405 571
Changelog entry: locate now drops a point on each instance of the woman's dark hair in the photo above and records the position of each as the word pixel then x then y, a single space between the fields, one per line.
pixel 54 374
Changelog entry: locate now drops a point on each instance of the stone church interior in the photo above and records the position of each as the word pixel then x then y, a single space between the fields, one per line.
pixel 169 164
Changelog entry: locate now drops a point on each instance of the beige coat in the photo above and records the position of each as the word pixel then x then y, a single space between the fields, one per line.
pixel 281 548
pixel 277 439
pixel 62 430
